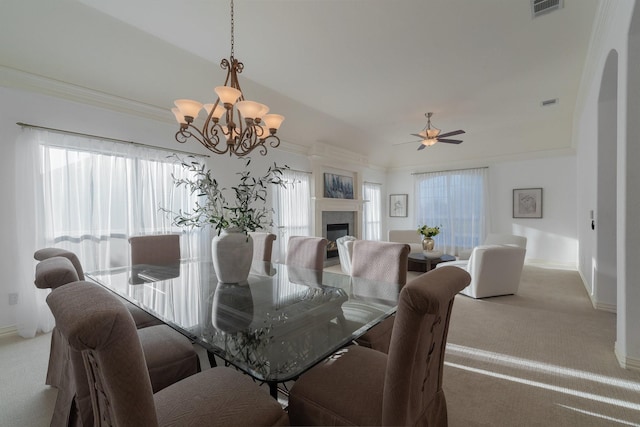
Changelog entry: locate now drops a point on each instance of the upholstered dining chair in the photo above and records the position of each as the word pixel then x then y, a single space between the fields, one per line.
pixel 169 356
pixel 306 252
pixel 155 249
pixel 364 387
pixel 383 262
pixel 141 317
pixel 262 245
pixel 100 329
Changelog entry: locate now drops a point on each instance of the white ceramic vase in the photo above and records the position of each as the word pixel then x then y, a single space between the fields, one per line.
pixel 232 253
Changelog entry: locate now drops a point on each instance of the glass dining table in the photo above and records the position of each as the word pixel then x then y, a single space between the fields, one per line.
pixel 275 326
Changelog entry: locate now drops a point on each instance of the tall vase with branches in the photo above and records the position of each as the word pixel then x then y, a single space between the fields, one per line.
pixel 232 247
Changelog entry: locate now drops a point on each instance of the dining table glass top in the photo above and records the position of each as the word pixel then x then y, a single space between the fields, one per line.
pixel 274 326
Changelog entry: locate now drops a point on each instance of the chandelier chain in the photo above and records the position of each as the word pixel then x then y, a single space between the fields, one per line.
pixel 232 25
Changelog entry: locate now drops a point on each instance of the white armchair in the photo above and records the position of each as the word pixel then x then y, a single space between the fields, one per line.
pixel 495 270
pixel 345 251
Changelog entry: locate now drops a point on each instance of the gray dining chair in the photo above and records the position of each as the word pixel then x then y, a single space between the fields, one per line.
pixel 382 262
pixel 155 249
pixel 262 245
pixel 107 349
pixel 169 356
pixel 306 252
pixel 364 387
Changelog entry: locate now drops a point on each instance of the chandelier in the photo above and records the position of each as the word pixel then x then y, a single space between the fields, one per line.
pixel 254 127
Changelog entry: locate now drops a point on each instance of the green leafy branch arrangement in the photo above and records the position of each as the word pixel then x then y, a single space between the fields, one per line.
pixel 248 212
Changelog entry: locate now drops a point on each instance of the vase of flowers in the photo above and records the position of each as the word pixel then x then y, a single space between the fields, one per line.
pixel 427 234
pixel 232 246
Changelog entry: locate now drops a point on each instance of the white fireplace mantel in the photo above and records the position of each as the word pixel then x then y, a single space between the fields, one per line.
pixel 323 204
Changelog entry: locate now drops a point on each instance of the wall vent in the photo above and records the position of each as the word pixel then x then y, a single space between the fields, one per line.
pixel 541 7
pixel 549 102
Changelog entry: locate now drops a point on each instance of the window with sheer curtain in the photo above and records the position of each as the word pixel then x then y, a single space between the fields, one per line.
pixel 371 216
pixel 90 196
pixel 457 201
pixel 293 209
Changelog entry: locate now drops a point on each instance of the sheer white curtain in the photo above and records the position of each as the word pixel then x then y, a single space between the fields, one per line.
pixel 90 195
pixel 371 211
pixel 457 201
pixel 293 209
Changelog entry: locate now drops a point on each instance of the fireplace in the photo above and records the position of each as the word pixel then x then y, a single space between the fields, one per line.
pixel 334 232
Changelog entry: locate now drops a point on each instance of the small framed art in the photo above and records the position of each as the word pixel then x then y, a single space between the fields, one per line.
pixel 398 204
pixel 527 203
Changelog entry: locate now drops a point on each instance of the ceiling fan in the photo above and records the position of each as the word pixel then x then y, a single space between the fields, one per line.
pixel 431 135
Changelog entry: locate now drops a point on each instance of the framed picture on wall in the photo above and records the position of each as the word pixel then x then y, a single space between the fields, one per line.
pixel 398 204
pixel 338 186
pixel 527 203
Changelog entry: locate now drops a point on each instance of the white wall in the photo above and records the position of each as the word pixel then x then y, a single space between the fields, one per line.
pixel 551 239
pixel 612 34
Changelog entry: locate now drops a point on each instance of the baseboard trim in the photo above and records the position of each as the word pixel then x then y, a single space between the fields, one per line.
pixel 625 362
pixel 8 331
pixel 550 264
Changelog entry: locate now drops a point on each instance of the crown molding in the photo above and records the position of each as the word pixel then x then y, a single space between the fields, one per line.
pixel 484 161
pixel 11 77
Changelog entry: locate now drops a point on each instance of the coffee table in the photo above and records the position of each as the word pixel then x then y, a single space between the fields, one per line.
pixel 418 261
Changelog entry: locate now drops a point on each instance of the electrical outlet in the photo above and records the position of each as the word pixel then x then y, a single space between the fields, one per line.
pixel 13 298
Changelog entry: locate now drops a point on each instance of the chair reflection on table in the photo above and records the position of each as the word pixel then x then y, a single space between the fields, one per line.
pixel 262 268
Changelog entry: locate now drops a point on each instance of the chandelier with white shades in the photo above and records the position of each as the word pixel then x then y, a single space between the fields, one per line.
pixel 220 133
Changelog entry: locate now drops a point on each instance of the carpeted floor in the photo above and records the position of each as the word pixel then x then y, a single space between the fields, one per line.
pixel 543 357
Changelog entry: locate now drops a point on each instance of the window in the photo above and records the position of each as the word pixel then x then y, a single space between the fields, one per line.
pixel 96 194
pixel 371 211
pixel 457 202
pixel 293 209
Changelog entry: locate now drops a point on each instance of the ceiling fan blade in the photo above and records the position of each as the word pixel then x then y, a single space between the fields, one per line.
pixel 450 141
pixel 421 147
pixel 452 133
pixel 417 135
pixel 406 142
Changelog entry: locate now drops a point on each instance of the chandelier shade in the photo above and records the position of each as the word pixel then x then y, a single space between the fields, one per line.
pixel 219 133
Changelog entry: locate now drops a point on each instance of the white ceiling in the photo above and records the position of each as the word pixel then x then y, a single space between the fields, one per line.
pixel 356 74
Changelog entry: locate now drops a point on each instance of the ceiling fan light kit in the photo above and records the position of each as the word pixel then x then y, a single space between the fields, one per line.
pixel 431 135
pixel 254 126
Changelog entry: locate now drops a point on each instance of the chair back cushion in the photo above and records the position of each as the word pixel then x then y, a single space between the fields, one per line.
pixel 158 249
pixel 97 324
pixel 381 261
pixel 45 253
pixel 413 383
pixel 306 252
pixel 54 272
pixel 262 245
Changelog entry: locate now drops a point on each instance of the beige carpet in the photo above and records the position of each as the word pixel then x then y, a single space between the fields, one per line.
pixel 543 357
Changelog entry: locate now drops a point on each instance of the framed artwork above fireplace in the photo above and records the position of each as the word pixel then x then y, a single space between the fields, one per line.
pixel 338 186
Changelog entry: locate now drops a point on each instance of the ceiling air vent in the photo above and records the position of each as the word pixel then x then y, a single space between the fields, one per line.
pixel 549 102
pixel 540 7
